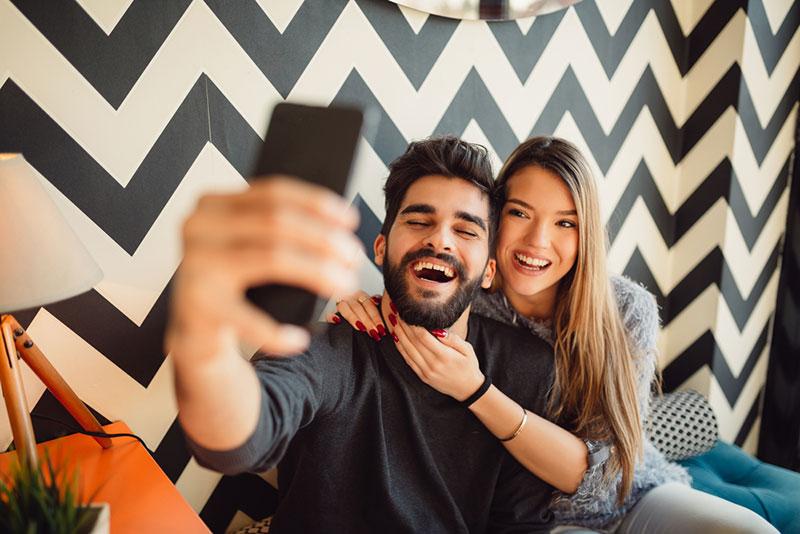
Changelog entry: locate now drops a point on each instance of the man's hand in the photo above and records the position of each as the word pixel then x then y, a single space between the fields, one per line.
pixel 280 230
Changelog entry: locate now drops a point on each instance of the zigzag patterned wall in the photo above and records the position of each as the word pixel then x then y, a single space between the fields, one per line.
pixel 129 110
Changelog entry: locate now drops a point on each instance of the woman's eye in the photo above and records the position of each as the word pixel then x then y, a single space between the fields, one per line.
pixel 567 224
pixel 516 213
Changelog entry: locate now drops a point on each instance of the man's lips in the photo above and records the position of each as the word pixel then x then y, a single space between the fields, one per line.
pixel 431 272
pixel 425 265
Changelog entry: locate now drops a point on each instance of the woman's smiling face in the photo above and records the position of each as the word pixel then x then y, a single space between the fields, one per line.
pixel 537 243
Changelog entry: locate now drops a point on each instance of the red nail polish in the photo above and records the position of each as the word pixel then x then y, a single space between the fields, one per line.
pixel 381 330
pixel 375 300
pixel 361 326
pixel 438 332
pixel 374 335
pixel 393 319
pixel 396 339
pixel 336 319
pixel 392 306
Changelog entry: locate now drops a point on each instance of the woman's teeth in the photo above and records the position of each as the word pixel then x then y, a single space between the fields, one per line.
pixel 536 264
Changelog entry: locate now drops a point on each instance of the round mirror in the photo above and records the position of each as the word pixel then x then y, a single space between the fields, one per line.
pixel 487 9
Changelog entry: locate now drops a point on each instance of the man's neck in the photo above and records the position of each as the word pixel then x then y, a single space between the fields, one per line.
pixel 460 327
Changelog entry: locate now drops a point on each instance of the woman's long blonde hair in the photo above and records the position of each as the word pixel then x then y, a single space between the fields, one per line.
pixel 595 383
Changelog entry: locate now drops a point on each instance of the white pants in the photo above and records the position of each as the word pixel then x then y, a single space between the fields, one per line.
pixel 674 508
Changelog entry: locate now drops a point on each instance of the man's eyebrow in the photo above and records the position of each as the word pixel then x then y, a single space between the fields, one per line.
pixel 427 208
pixel 474 219
pixel 528 206
pixel 418 208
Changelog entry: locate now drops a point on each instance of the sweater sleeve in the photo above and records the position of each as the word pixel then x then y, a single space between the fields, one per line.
pixel 640 315
pixel 294 391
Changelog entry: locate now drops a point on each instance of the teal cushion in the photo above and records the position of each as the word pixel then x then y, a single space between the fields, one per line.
pixel 728 472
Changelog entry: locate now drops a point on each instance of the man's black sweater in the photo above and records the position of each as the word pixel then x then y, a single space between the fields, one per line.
pixel 364 446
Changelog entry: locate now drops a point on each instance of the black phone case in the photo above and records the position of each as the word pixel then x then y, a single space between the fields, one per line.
pixel 318 145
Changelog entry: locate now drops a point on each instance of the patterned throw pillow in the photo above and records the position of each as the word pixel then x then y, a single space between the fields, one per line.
pixel 682 424
pixel 259 527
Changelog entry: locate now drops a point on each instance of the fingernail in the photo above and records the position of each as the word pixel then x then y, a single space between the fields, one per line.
pixel 374 335
pixel 343 210
pixel 381 330
pixel 394 336
pixel 361 326
pixel 353 217
pixel 346 280
pixel 393 319
pixel 294 335
pixel 438 332
pixel 335 319
pixel 375 300
pixel 392 306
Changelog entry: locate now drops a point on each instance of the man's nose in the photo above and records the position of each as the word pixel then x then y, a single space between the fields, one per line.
pixel 440 239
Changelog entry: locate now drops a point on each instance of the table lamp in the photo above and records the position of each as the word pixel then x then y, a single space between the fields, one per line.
pixel 42 261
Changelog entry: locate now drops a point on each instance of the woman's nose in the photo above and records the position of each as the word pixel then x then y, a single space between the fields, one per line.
pixel 538 235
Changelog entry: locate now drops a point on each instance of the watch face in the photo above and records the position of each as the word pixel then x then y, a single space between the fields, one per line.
pixel 487 9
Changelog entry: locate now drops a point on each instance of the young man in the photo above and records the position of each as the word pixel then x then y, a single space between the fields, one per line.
pixel 361 443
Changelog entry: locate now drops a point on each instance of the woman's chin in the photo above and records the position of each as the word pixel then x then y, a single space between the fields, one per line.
pixel 525 286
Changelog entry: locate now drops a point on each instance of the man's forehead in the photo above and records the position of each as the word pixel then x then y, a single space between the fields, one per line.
pixel 445 194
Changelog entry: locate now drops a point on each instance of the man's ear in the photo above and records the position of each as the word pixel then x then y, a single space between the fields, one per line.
pixel 488 273
pixel 379 248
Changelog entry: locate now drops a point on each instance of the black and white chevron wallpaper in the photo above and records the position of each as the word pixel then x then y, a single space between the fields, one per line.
pixel 130 109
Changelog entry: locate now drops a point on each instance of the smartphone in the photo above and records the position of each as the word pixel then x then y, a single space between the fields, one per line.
pixel 316 144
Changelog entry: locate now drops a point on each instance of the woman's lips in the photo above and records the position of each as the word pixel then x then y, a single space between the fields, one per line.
pixel 526 268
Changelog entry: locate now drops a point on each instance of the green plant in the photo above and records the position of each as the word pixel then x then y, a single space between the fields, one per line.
pixel 43 500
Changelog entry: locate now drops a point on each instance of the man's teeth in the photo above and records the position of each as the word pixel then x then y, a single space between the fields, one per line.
pixel 428 265
pixel 533 262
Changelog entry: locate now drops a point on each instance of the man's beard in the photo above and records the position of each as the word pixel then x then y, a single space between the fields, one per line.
pixel 424 312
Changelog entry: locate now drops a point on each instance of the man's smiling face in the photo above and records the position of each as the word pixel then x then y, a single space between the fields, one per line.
pixel 436 255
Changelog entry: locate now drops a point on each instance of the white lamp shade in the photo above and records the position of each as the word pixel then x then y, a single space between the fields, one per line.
pixel 41 259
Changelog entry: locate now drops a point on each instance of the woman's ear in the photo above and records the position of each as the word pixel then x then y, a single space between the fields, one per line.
pixel 488 273
pixel 379 248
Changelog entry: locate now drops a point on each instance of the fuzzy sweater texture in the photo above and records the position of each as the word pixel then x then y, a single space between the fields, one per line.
pixel 594 504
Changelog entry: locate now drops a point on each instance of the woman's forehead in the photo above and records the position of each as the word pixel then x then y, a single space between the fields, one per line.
pixel 540 188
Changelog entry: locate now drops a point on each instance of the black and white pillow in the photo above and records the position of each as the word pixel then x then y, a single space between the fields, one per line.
pixel 682 424
pixel 259 527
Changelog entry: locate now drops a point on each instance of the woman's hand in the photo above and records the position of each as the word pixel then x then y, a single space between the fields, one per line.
pixel 439 358
pixel 361 311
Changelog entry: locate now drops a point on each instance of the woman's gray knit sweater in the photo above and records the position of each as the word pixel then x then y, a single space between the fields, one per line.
pixel 594 504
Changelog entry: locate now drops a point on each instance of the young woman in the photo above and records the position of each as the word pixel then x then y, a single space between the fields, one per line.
pixel 552 279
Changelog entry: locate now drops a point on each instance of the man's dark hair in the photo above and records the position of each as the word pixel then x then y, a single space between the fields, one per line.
pixel 445 156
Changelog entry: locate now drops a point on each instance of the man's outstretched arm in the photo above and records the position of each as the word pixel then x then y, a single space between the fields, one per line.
pixel 278 231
